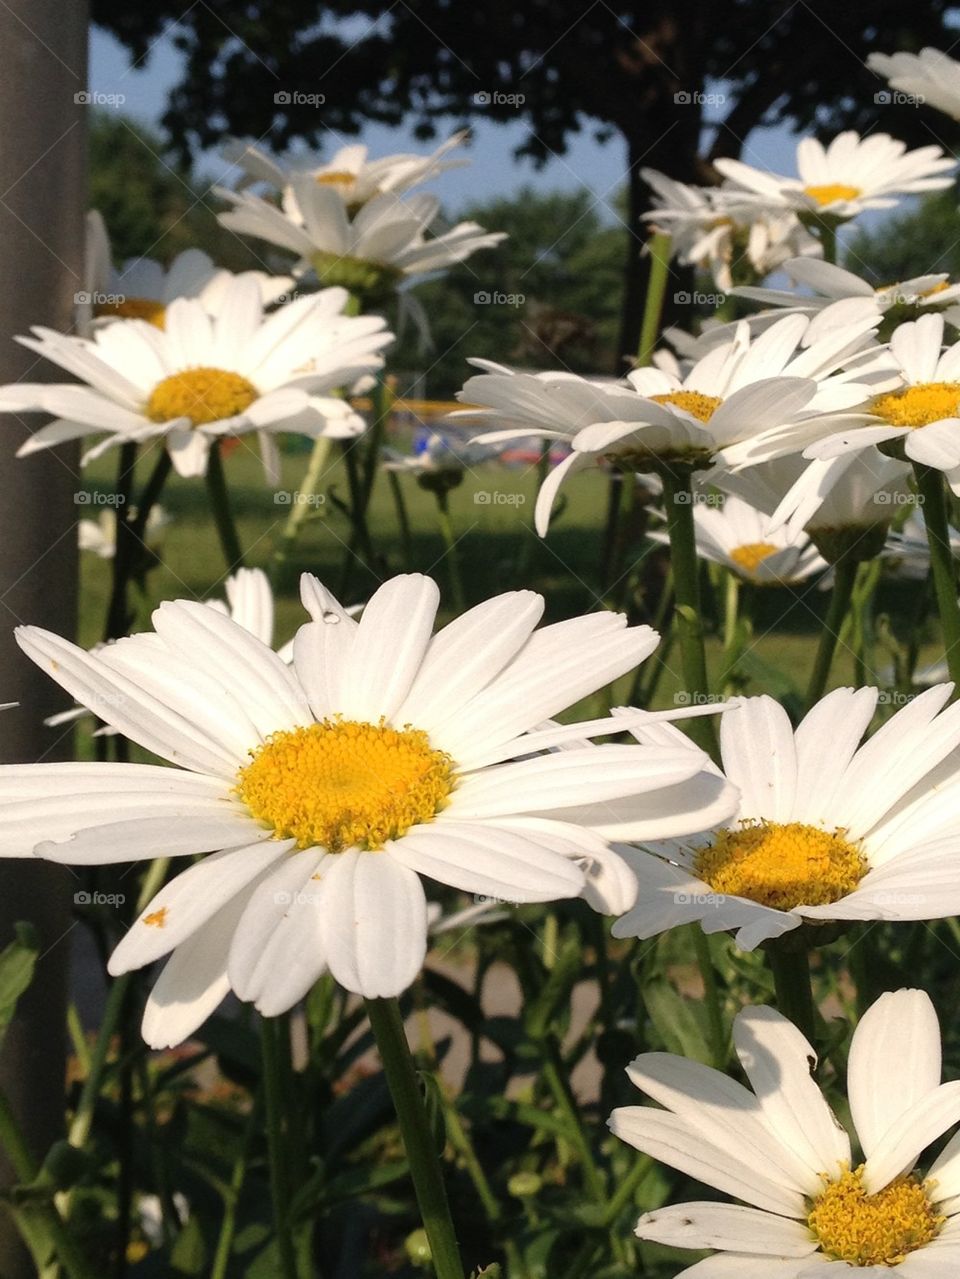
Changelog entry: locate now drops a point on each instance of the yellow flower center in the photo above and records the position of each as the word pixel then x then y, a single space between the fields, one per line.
pixel 831 192
pixel 336 178
pixel 782 865
pixel 936 288
pixel 203 395
pixel 919 405
pixel 699 406
pixel 750 556
pixel 345 784
pixel 134 309
pixel 873 1230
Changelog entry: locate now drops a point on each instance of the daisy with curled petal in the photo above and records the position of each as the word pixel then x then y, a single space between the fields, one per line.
pixel 734 405
pixel 730 233
pixel 322 792
pixel 373 252
pixel 205 377
pixel 839 294
pixel 846 177
pixel 909 549
pixel 827 829
pixel 807 1207
pixel 740 538
pixel 922 410
pixel 142 289
pixel 349 171
pixel 929 76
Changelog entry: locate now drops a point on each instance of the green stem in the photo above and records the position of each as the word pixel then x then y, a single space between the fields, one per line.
pixel 118 617
pixel 222 513
pixel 659 247
pixel 425 1169
pixel 453 552
pixel 274 1092
pixel 300 508
pixel 930 487
pixel 627 1189
pixel 718 1033
pixel 678 503
pixel 791 977
pixel 828 238
pixel 844 578
pixel 151 494
pixel 228 1227
pixel 403 518
pixel 555 1076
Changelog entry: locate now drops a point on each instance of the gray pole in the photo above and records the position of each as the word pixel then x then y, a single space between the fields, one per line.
pixel 43 47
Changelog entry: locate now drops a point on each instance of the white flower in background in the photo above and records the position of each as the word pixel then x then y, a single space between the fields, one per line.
pixel 142 289
pixel 349 171
pixel 379 248
pixel 733 405
pixel 856 496
pixel 99 536
pixel 438 453
pixel 846 177
pixel 825 831
pixel 909 551
pixel 929 76
pixel 840 296
pixel 777 1147
pixel 249 603
pixel 742 539
pixel 725 231
pixel 322 792
pixel 205 377
pixel 922 409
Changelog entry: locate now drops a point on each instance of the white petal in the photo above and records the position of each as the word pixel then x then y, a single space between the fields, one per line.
pixel 145 838
pixel 778 1062
pixel 895 1059
pixel 729 1227
pixel 374 922
pixel 395 629
pixel 480 859
pixel 910 1134
pixel 321 652
pixel 756 742
pixel 189 900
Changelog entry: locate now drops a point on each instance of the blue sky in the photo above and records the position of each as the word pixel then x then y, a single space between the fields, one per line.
pixel 492 168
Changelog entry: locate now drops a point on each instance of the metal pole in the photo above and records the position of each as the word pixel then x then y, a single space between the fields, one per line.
pixel 43 79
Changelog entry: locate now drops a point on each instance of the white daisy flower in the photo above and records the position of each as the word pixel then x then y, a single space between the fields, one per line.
pixel 857 297
pixel 732 406
pixel 439 453
pixel 205 377
pixel 99 536
pixel 807 1207
pixel 725 231
pixel 850 500
pixel 846 177
pixel 909 549
pixel 375 251
pixel 325 790
pixel 825 831
pixel 349 171
pixel 142 288
pixel 929 76
pixel 922 409
pixel 742 539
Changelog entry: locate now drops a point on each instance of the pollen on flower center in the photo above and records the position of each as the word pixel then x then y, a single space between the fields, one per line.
pixel 751 555
pixel 831 192
pixel 782 865
pixel 918 405
pixel 203 395
pixel 873 1230
pixel 134 309
pixel 699 406
pixel 344 783
pixel 336 178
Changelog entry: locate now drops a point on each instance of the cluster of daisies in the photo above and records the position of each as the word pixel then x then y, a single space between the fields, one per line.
pixel 316 790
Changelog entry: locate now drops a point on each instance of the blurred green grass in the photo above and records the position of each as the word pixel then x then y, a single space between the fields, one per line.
pixel 492 514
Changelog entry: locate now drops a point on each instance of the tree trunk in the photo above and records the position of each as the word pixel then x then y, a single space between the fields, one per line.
pixel 42 181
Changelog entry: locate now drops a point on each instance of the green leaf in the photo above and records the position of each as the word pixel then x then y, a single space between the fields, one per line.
pixel 17 963
pixel 679 1023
